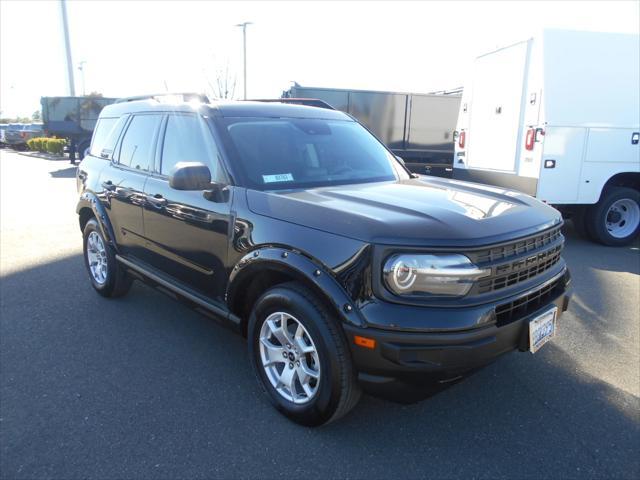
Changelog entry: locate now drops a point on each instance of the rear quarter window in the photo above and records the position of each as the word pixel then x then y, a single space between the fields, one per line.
pixel 105 136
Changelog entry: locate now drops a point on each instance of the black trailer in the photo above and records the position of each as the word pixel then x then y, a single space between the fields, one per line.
pixel 417 127
pixel 73 118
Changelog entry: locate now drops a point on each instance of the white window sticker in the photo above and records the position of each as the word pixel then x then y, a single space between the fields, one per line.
pixel 280 177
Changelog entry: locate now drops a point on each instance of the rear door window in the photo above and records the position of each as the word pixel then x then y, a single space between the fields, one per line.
pixel 138 145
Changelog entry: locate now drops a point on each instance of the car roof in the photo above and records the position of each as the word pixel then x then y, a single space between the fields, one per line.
pixel 253 109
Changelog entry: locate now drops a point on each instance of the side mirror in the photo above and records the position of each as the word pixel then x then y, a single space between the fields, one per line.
pixel 190 176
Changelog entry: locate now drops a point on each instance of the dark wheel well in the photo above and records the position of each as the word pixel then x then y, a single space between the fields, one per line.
pixel 627 179
pixel 253 285
pixel 85 215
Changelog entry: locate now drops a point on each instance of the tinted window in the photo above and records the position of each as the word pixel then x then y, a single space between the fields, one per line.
pixel 188 139
pixel 105 135
pixel 137 145
pixel 292 153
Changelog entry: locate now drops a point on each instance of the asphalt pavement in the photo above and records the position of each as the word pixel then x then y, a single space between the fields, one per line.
pixel 143 387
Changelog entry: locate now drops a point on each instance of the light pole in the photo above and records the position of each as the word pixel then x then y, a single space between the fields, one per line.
pixel 67 47
pixel 244 52
pixel 81 68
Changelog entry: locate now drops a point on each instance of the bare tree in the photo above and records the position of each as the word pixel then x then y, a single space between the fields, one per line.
pixel 224 82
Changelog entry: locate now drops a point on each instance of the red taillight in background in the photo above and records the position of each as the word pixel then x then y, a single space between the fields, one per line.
pixel 461 139
pixel 23 135
pixel 531 139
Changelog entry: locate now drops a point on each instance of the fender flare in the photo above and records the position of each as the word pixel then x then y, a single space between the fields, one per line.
pixel 90 200
pixel 301 267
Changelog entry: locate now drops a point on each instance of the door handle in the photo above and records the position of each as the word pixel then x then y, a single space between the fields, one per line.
pixel 108 185
pixel 157 200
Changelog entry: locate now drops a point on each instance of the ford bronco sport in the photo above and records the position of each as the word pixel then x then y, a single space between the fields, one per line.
pixel 299 229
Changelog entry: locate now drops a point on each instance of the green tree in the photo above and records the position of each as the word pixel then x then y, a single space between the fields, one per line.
pixel 36 116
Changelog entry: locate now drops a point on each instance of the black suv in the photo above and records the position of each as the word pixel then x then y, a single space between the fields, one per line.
pixel 295 226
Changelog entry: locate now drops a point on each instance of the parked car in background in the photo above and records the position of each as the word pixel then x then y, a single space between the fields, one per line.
pixel 558 116
pixel 33 130
pixel 417 127
pixel 15 135
pixel 297 228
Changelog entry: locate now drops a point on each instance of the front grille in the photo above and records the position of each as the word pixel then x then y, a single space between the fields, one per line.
pixel 520 247
pixel 523 306
pixel 509 274
pixel 518 261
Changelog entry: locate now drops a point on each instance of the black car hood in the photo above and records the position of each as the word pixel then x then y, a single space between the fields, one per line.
pixel 426 211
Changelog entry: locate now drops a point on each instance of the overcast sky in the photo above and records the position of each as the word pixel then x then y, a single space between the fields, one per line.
pixel 134 48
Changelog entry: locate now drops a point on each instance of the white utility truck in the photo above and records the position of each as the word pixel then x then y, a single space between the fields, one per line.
pixel 558 117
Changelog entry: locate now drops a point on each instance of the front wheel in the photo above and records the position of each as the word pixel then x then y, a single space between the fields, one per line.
pixel 615 219
pixel 300 356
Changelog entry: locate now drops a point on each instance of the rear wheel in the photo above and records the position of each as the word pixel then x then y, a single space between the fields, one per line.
pixel 300 356
pixel 615 219
pixel 107 276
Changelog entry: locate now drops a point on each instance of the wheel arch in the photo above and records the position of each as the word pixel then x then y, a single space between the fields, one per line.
pixel 267 267
pixel 89 206
pixel 623 179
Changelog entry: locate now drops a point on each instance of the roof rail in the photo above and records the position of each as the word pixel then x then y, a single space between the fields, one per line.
pixel 309 102
pixel 453 91
pixel 186 97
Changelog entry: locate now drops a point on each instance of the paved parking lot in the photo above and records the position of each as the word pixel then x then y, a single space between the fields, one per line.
pixel 143 387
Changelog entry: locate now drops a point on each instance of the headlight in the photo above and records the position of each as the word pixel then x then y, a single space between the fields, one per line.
pixel 445 275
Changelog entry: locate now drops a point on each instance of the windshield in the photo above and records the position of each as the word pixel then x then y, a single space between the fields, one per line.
pixel 286 153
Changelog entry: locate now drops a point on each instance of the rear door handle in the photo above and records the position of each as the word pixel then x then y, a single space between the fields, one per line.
pixel 157 200
pixel 108 185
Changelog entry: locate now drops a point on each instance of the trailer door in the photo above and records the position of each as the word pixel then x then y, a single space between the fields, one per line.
pixel 496 109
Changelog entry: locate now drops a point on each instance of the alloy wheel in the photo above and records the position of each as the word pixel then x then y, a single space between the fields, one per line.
pixel 289 357
pixel 97 258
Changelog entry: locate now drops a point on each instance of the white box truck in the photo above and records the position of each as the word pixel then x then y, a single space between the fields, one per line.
pixel 558 117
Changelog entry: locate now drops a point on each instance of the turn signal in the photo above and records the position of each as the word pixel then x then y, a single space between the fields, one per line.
pixel 364 342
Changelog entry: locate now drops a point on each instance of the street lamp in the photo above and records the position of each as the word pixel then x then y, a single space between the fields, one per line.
pixel 244 52
pixel 81 68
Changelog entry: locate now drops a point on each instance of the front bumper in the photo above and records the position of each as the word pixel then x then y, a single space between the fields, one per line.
pixel 411 357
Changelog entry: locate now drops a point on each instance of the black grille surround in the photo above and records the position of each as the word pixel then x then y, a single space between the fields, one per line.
pixel 517 262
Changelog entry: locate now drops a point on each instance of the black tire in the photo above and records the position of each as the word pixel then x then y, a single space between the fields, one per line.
pixel 596 216
pixel 117 282
pixel 338 390
pixel 579 220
